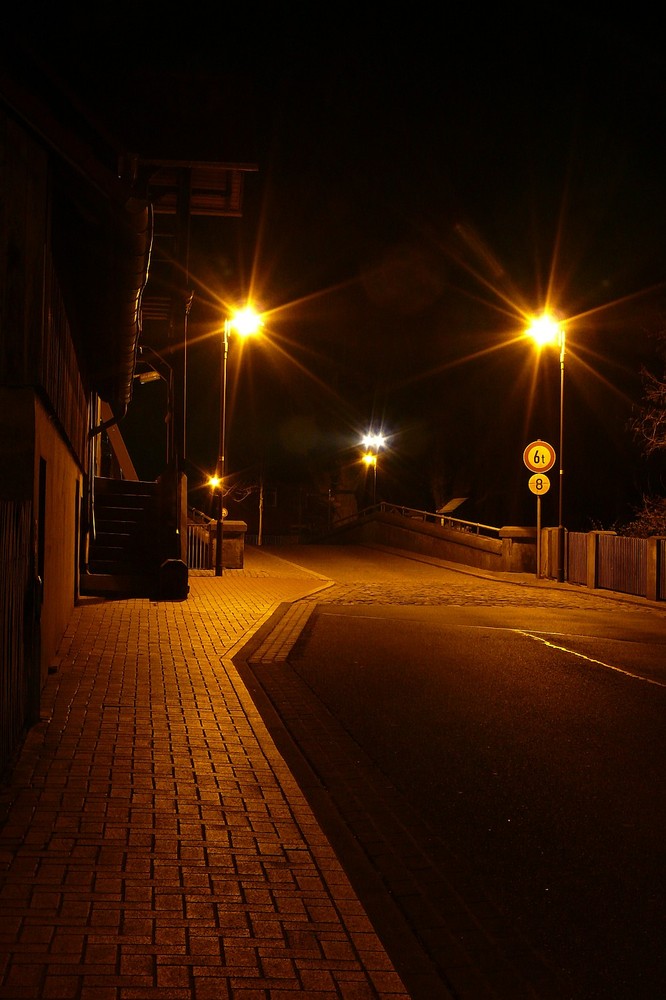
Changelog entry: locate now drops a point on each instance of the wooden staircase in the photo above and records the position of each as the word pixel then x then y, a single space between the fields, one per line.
pixel 124 549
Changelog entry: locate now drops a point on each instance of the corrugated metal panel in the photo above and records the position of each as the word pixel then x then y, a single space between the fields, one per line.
pixel 622 564
pixel 577 569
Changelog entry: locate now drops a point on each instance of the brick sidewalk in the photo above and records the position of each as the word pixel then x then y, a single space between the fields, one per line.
pixel 153 843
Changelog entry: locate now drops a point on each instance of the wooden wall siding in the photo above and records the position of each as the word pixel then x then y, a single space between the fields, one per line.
pixel 19 658
pixel 36 347
pixel 23 234
pixel 59 373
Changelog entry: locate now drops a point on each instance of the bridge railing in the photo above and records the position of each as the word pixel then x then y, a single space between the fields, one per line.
pixel 426 516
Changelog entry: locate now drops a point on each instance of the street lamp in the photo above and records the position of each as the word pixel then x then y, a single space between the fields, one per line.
pixel 370 459
pixel 373 442
pixel 245 322
pixel 545 330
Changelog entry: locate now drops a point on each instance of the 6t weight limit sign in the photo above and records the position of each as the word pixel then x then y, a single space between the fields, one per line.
pixel 539 456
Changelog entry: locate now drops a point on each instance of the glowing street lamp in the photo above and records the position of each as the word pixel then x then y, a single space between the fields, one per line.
pixel 373 442
pixel 545 331
pixel 245 322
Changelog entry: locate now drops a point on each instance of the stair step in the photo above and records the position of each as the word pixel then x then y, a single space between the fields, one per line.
pixel 124 511
pixel 105 485
pixel 122 567
pixel 127 529
pixel 113 539
pixel 118 584
pixel 124 556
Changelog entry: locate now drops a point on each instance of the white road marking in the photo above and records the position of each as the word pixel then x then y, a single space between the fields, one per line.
pixel 590 659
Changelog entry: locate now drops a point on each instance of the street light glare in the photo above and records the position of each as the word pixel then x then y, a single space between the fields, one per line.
pixel 374 441
pixel 246 322
pixel 544 330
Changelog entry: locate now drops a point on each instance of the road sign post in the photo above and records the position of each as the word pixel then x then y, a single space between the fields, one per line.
pixel 539 457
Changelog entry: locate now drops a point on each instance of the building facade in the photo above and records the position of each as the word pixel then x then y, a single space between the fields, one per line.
pixel 79 244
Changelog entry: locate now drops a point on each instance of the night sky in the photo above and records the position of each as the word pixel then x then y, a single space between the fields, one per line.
pixel 426 182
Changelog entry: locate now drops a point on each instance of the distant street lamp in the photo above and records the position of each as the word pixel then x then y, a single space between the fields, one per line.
pixel 373 442
pixel 245 322
pixel 544 331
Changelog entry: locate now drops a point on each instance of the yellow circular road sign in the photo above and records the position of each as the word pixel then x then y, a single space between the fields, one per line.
pixel 539 484
pixel 539 456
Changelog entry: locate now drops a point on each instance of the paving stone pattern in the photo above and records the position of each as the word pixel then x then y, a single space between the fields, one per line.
pixel 153 843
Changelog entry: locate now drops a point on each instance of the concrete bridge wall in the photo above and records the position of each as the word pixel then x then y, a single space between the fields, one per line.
pixel 512 551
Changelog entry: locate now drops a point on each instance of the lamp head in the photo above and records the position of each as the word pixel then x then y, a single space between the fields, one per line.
pixel 144 377
pixel 245 322
pixel 375 441
pixel 544 330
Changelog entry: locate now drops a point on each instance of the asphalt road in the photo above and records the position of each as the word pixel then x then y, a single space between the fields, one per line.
pixel 489 758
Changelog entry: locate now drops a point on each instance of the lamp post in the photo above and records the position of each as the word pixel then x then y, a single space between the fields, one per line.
pixel 245 323
pixel 545 330
pixel 373 442
pixel 370 460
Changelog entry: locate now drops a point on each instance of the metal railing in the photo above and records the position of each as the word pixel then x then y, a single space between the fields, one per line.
pixel 426 516
pixel 200 529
